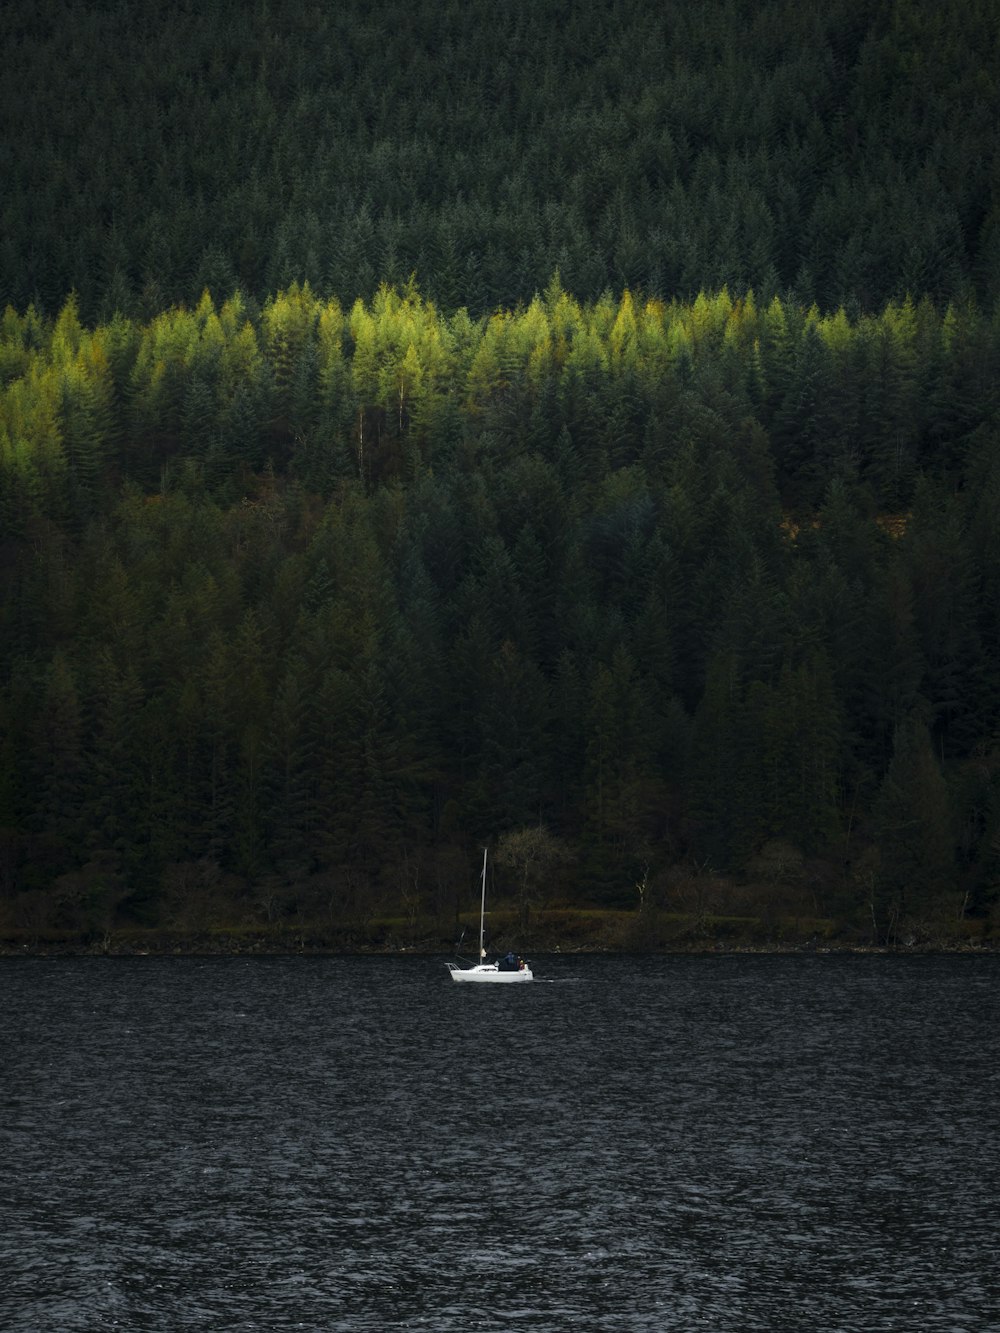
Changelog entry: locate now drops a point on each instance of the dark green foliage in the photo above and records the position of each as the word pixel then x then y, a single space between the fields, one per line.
pixel 842 150
pixel 914 825
pixel 296 600
pixel 55 790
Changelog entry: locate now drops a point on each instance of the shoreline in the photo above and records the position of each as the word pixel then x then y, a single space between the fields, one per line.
pixel 286 944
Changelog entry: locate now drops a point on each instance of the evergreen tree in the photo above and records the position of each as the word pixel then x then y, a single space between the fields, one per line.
pixel 913 821
pixel 57 762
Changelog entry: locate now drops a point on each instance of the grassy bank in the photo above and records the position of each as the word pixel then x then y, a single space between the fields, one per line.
pixel 577 930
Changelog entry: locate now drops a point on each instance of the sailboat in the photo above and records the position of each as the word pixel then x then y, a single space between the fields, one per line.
pixel 510 969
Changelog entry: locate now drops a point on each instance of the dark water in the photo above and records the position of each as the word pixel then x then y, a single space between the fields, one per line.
pixel 339 1144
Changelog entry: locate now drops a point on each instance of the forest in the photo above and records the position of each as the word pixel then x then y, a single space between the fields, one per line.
pixel 568 430
pixel 844 149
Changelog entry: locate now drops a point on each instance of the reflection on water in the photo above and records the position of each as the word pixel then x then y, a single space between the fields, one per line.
pixel 726 1143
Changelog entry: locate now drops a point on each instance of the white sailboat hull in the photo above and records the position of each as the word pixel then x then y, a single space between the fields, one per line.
pixel 489 972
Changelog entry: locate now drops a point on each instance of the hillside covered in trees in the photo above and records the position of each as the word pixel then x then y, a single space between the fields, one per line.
pixel 314 598
pixel 648 533
pixel 846 149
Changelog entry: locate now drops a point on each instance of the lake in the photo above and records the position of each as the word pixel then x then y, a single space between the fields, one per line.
pixel 724 1143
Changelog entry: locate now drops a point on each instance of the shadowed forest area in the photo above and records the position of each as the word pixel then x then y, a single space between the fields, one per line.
pixel 846 149
pixel 570 431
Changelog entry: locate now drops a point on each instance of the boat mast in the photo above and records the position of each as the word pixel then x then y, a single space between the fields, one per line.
pixel 482 910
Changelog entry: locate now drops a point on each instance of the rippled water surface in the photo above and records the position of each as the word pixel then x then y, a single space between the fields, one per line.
pixel 725 1143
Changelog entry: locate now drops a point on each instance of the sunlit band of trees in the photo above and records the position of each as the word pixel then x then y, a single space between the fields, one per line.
pixel 301 603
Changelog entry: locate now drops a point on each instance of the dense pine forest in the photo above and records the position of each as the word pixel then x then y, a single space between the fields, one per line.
pixel 846 149
pixel 567 428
